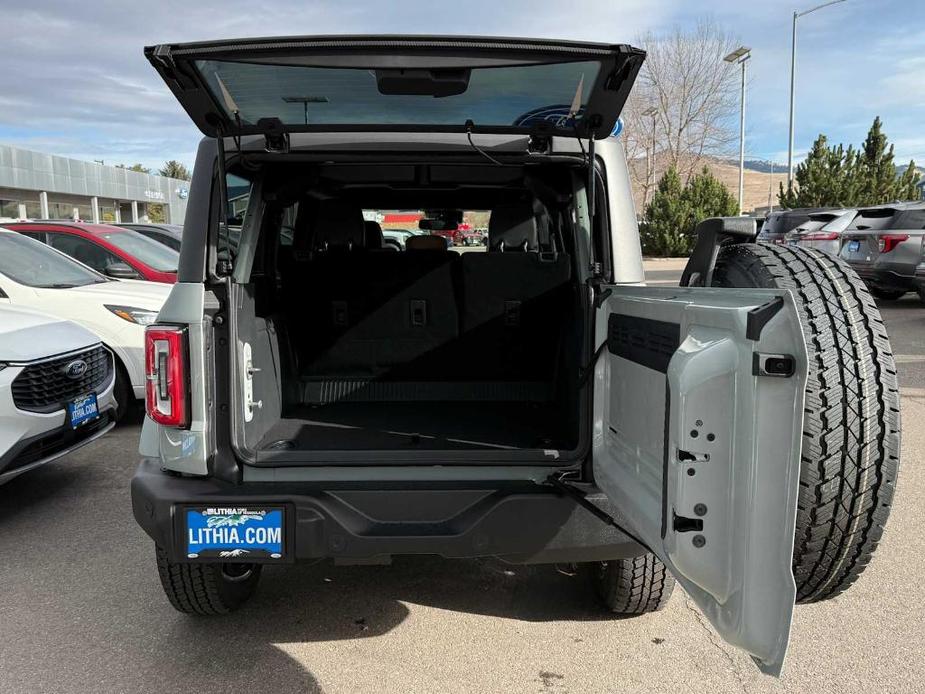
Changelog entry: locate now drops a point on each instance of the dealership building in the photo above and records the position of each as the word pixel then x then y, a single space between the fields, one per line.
pixel 34 185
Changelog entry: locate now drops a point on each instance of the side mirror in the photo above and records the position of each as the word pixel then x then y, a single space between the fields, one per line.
pixel 121 271
pixel 711 235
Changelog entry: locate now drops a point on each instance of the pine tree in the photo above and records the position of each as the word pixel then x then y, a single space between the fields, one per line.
pixel 906 188
pixel 667 216
pixel 675 211
pixel 839 177
pixel 707 197
pixel 877 170
pixel 174 169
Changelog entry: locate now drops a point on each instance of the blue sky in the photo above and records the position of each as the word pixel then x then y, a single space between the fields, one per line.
pixel 74 81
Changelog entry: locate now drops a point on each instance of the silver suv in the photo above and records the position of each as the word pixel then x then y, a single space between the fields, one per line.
pixel 311 395
pixel 884 245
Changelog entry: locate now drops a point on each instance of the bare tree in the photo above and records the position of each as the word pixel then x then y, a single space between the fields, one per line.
pixel 689 97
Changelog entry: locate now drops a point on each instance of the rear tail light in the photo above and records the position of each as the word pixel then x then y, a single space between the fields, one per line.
pixel 822 236
pixel 166 392
pixel 888 242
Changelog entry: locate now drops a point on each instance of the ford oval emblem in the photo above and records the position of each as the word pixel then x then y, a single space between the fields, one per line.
pixel 75 369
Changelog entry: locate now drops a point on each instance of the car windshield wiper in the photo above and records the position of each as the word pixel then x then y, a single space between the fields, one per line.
pixel 56 285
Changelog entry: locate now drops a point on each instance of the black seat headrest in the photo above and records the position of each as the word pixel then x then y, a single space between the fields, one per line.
pixel 425 242
pixel 338 224
pixel 512 227
pixel 374 238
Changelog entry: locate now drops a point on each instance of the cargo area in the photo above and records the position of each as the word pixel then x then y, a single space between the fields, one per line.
pixel 355 346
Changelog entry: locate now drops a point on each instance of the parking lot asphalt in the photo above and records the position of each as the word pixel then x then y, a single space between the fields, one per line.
pixel 81 609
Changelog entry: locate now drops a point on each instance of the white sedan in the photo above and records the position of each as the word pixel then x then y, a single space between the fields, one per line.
pixel 56 383
pixel 37 277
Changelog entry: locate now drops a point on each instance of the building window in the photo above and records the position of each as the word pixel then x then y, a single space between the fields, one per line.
pixel 9 208
pixel 107 213
pixel 60 210
pixel 33 209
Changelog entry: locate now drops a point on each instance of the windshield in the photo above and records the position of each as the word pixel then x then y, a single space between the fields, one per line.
pixel 34 264
pixel 148 251
pixel 510 96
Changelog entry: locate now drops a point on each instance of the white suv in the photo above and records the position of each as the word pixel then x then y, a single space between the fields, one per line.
pixel 56 383
pixel 38 277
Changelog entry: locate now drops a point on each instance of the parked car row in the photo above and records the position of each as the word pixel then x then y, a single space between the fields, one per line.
pixel 74 303
pixel 883 243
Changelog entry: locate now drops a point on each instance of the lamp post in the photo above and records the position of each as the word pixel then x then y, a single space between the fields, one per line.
pixel 305 101
pixel 793 69
pixel 741 55
pixel 650 160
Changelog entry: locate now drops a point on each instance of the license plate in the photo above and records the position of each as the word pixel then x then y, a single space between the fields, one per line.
pixel 244 533
pixel 82 410
pixel 854 246
pixel 792 242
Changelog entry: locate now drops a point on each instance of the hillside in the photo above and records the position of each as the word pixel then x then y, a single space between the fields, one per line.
pixel 756 182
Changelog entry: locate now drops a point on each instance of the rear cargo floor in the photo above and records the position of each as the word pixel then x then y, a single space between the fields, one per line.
pixel 418 426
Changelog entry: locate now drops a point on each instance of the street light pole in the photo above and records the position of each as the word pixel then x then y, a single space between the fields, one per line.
pixel 650 159
pixel 793 70
pixel 741 55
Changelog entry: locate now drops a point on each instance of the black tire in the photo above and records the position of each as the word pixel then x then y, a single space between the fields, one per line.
pixel 123 393
pixel 631 586
pixel 851 428
pixel 206 589
pixel 887 294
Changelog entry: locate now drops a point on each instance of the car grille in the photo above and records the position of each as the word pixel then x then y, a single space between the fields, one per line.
pixel 45 387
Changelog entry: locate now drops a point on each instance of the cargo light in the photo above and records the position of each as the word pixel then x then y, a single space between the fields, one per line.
pixel 888 242
pixel 166 376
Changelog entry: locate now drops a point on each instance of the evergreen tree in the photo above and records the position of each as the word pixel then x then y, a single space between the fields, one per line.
pixel 834 176
pixel 877 170
pixel 667 216
pixel 174 169
pixel 906 188
pixel 675 211
pixel 707 197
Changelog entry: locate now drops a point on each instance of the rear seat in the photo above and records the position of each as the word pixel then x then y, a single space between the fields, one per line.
pixel 370 312
pixel 425 324
pixel 515 298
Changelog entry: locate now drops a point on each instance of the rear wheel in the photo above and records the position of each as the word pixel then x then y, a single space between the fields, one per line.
pixel 851 429
pixel 631 586
pixel 887 294
pixel 206 589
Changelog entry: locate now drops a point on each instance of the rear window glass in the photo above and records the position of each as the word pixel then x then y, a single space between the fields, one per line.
pixel 908 219
pixel 879 218
pixel 297 95
pixel 149 252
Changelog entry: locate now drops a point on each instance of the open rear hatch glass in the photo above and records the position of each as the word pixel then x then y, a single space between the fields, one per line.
pixel 381 83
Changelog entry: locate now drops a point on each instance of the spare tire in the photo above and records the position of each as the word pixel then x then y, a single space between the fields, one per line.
pixel 851 428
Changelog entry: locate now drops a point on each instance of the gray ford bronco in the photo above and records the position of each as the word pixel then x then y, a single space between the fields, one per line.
pixel 313 393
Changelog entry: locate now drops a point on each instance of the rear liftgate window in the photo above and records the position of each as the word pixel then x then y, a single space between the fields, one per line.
pixel 499 96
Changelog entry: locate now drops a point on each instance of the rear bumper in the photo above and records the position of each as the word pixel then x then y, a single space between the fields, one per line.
pixel 889 277
pixel 520 523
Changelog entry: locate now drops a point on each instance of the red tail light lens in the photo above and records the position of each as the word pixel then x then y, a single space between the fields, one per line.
pixel 822 236
pixel 888 242
pixel 166 376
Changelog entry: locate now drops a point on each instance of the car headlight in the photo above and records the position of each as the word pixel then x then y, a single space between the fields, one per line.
pixel 141 316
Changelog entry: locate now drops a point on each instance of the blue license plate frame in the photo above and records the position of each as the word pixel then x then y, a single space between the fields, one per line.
pixel 232 532
pixel 83 410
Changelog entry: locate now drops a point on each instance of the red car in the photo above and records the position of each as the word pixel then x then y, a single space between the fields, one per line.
pixel 114 251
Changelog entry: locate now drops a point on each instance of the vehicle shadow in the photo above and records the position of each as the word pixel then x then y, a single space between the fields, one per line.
pixel 307 604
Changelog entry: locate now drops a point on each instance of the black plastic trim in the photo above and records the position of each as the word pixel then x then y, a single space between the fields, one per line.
pixel 759 317
pixel 644 341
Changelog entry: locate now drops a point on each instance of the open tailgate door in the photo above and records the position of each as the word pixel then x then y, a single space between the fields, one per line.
pixel 698 428
pixel 417 83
